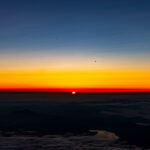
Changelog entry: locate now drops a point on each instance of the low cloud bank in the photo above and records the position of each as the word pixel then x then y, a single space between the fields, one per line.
pixel 102 140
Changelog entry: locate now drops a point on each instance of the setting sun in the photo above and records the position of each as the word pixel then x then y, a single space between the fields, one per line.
pixel 73 92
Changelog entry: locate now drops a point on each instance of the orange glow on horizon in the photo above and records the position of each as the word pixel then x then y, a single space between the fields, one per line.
pixel 67 81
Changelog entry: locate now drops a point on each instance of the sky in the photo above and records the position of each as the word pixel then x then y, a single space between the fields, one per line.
pixel 75 44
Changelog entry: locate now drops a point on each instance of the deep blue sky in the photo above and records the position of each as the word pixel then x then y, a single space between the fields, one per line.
pixel 115 26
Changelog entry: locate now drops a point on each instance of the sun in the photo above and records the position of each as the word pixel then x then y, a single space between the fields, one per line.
pixel 73 92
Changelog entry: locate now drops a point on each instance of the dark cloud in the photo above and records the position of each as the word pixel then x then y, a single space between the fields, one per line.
pixel 103 140
pixel 126 116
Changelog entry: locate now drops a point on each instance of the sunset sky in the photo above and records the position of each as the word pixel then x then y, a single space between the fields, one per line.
pixel 82 45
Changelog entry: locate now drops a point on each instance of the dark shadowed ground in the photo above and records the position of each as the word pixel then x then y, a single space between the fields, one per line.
pixel 47 121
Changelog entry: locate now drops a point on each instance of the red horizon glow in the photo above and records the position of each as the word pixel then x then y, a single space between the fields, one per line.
pixel 79 90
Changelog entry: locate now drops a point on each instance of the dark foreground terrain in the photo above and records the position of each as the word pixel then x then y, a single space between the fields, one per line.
pixel 62 121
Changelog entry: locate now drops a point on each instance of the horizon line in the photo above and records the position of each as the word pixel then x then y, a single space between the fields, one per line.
pixel 78 90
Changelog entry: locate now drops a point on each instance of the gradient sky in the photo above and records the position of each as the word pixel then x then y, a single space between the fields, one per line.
pixel 75 44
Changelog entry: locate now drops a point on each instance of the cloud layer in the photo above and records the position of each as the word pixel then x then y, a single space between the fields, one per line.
pixel 103 140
